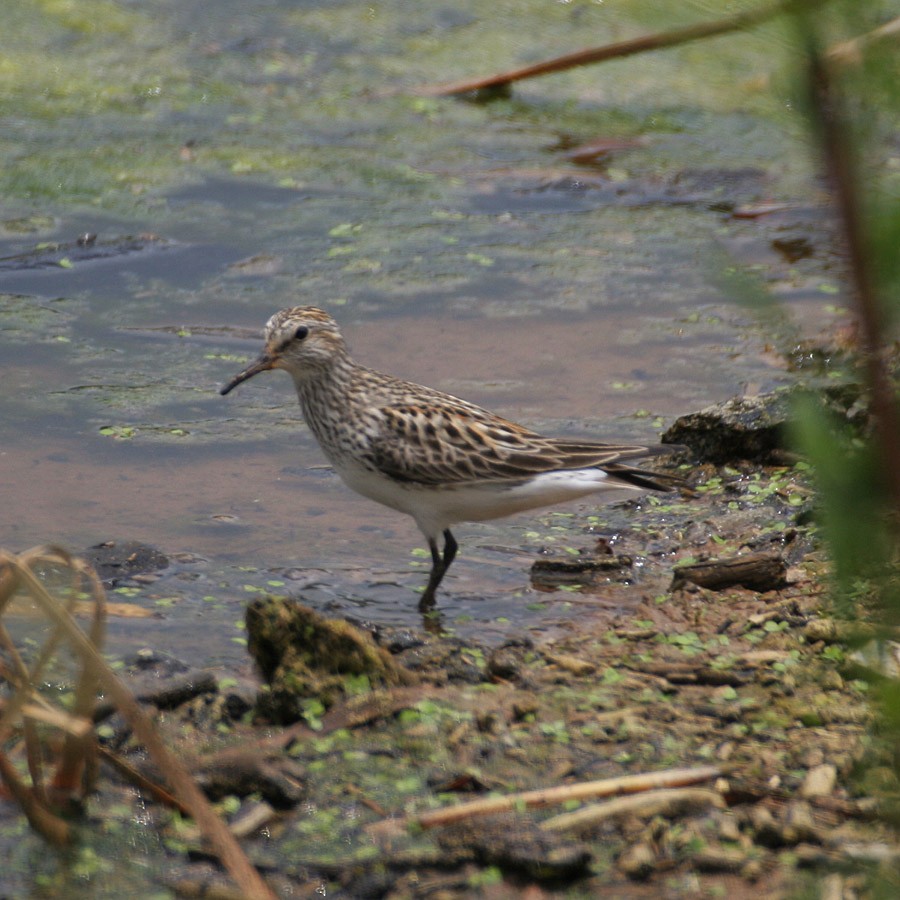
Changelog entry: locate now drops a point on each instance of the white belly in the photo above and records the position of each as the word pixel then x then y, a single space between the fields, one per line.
pixel 438 507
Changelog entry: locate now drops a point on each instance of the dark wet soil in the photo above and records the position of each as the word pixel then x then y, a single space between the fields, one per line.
pixel 755 687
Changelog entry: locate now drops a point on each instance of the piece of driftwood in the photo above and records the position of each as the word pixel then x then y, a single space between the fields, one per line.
pixel 756 571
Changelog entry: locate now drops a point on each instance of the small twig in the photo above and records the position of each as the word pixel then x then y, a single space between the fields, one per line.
pixel 365 800
pixel 608 787
pixel 141 781
pixel 620 49
pixel 653 803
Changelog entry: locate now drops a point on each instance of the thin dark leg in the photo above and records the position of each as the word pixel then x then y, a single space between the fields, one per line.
pixel 450 548
pixel 434 579
pixel 439 565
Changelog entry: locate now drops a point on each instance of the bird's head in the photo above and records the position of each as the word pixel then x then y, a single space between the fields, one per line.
pixel 303 340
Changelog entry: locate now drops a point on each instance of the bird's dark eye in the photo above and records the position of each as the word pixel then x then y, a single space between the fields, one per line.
pixel 301 333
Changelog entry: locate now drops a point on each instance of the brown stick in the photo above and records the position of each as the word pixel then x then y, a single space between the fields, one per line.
pixel 141 781
pixel 666 803
pixel 627 784
pixel 620 49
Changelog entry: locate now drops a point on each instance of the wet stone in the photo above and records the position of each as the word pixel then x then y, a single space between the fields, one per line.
pixel 719 859
pixel 524 705
pixel 767 832
pixel 794 248
pixel 743 428
pixel 754 429
pixel 238 697
pixel 799 826
pixel 821 630
pixel 150 660
pixel 452 658
pixel 164 691
pixel 504 663
pixel 169 693
pixel 398 640
pixel 280 781
pixel 728 827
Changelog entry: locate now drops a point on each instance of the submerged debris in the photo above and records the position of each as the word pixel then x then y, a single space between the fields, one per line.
pixel 550 573
pixel 85 248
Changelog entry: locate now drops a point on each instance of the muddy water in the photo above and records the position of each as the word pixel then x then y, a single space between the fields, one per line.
pixel 282 158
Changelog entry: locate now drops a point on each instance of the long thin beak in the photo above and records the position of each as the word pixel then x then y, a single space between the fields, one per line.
pixel 262 364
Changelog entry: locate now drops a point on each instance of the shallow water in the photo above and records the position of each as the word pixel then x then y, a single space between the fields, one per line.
pixel 282 154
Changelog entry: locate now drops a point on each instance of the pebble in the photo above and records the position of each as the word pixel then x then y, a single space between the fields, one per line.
pixel 752 870
pixel 832 887
pixel 799 826
pixel 638 861
pixel 504 663
pixel 719 859
pixel 766 830
pixel 819 781
pixel 728 827
pixel 820 630
pixel 524 705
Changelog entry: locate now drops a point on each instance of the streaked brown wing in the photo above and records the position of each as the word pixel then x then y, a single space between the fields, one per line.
pixel 461 443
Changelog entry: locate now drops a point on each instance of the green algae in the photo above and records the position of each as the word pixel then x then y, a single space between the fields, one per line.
pixel 272 109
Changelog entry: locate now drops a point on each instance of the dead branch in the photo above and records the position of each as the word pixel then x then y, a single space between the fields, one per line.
pixel 620 49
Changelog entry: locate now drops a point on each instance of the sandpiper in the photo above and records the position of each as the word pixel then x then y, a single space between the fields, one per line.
pixel 429 454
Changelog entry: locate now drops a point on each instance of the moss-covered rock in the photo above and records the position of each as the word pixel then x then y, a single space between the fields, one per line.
pixel 305 657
